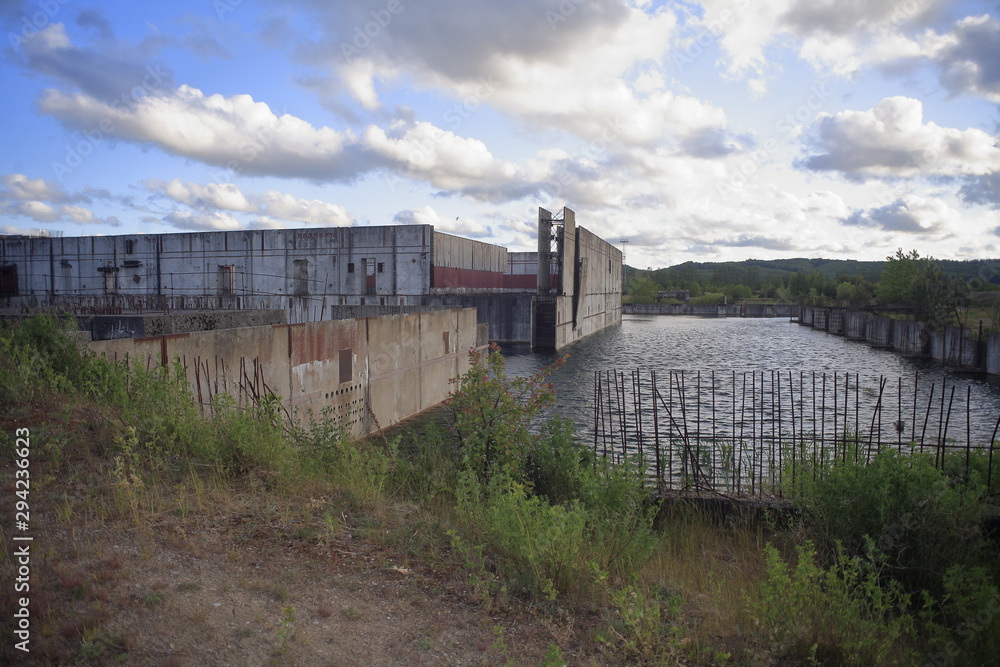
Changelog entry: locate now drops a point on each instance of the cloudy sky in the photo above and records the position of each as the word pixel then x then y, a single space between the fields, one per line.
pixel 707 131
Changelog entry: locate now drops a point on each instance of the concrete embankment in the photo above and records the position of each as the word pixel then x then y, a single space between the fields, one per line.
pixel 370 372
pixel 959 347
pixel 733 310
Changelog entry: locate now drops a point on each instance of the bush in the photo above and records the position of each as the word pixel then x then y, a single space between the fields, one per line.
pixel 898 510
pixel 841 615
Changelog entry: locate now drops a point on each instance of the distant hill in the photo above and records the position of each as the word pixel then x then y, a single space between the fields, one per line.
pixel 987 269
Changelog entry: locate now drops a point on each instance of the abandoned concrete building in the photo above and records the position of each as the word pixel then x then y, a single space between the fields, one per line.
pixel 569 288
pixel 367 324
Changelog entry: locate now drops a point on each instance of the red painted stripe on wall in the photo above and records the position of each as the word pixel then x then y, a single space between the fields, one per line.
pixel 455 278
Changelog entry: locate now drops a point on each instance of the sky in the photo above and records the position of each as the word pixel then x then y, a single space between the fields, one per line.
pixel 699 131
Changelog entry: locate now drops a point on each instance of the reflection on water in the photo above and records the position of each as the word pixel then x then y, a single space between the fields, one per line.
pixel 663 344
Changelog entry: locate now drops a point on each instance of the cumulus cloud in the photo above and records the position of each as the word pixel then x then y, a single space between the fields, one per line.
pixel 982 190
pixel 891 139
pixel 426 215
pixel 570 66
pixel 202 222
pixel 215 197
pixel 226 196
pixel 111 76
pixel 909 214
pixel 19 186
pixel 966 56
pixel 832 35
pixel 282 205
pixel 47 202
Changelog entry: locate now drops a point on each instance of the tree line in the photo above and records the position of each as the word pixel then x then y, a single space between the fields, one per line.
pixel 937 291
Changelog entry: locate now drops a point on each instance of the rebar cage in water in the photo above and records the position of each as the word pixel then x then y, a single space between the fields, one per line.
pixel 755 433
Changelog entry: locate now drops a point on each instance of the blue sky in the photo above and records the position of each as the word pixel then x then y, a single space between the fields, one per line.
pixel 706 131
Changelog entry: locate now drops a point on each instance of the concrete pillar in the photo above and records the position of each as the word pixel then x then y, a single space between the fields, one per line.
pixel 544 245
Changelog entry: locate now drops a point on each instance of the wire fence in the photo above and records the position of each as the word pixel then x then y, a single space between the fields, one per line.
pixel 756 433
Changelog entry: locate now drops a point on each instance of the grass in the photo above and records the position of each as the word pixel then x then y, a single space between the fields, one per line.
pixel 522 516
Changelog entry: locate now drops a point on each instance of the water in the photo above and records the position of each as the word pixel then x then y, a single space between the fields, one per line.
pixel 772 357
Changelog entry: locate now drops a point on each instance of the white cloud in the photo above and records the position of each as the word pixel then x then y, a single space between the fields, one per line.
pixel 214 221
pixel 265 222
pixel 313 211
pixel 966 56
pixel 36 210
pixel 832 35
pixel 891 139
pixel 426 215
pixel 910 214
pixel 19 186
pixel 226 196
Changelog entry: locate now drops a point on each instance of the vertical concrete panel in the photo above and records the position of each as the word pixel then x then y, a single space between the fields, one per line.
pixel 146 351
pixel 438 333
pixel 394 389
pixel 993 354
pixel 319 361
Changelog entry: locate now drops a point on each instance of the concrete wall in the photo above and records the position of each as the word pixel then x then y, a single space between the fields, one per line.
pixel 951 346
pixel 464 263
pixel 682 309
pixel 992 352
pixel 590 283
pixel 299 270
pixel 509 317
pixel 371 372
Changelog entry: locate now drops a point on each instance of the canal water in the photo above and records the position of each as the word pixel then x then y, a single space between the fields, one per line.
pixel 811 369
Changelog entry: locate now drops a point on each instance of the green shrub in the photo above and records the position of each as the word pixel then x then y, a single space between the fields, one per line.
pixel 537 545
pixel 842 615
pixel 898 510
pixel 970 615
pixel 493 415
pixel 37 358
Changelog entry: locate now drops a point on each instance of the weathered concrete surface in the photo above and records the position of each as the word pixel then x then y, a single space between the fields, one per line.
pixel 952 346
pixel 588 298
pixel 992 362
pixel 106 327
pixel 288 269
pixel 370 373
pixel 509 316
pixel 911 338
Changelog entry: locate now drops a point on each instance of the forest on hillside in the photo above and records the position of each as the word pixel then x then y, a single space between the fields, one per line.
pixel 940 291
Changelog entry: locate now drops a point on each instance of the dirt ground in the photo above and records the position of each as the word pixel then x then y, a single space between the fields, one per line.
pixel 235 587
pixel 189 572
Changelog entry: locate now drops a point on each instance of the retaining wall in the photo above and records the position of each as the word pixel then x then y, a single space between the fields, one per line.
pixel 371 372
pixel 952 346
pixel 732 310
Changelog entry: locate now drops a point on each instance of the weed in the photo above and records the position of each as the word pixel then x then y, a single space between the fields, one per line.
pixel 841 615
pixel 287 628
pixel 154 598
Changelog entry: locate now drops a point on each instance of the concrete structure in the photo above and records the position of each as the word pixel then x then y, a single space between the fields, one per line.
pixel 953 346
pixel 313 275
pixel 583 293
pixel 370 373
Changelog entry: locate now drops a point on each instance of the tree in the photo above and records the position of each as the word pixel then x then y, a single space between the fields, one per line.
pixel 899 277
pixel 919 282
pixel 641 289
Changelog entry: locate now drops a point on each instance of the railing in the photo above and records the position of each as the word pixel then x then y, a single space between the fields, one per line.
pixel 755 433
